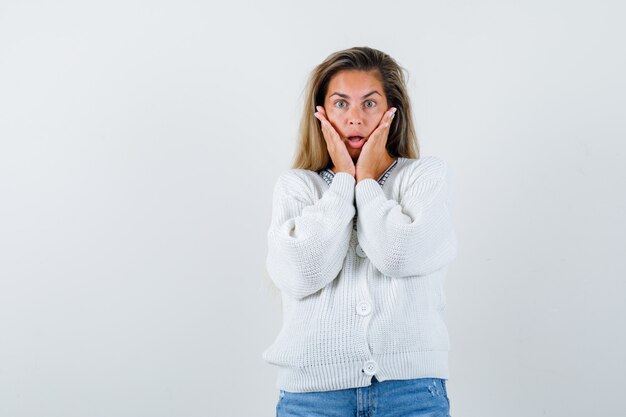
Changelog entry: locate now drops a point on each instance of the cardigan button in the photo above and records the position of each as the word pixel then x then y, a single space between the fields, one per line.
pixel 360 252
pixel 370 367
pixel 363 308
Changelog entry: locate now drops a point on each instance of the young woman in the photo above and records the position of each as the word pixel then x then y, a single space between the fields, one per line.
pixel 359 244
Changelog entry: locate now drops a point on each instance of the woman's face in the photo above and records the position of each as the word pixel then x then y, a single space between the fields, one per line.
pixel 355 104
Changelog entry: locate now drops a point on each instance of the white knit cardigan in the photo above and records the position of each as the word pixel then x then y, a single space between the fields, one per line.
pixel 367 299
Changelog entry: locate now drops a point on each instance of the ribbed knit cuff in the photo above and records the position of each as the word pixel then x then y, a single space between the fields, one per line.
pixel 367 190
pixel 343 184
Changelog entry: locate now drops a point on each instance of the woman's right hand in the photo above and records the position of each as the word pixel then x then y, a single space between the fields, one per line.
pixel 336 148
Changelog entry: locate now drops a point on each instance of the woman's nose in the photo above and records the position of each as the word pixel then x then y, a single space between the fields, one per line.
pixel 355 117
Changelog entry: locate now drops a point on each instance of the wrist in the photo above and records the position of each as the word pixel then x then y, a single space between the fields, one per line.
pixel 364 176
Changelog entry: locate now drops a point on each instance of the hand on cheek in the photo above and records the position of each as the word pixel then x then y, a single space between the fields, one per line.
pixel 374 158
pixel 336 147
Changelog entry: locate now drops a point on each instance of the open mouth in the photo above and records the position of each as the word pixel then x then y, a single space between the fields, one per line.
pixel 356 141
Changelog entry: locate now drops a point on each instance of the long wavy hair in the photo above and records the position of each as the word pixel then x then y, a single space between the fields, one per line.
pixel 312 151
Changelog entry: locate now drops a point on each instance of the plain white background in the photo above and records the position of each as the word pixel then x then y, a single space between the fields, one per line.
pixel 139 145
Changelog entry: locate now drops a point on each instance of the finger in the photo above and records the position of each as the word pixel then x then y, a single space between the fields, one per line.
pixel 320 109
pixel 388 117
pixel 321 115
pixel 329 132
pixel 382 130
pixel 323 111
pixel 322 119
pixel 317 113
pixel 325 122
pixel 384 122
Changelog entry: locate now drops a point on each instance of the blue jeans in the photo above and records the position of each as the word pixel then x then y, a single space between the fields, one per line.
pixel 420 397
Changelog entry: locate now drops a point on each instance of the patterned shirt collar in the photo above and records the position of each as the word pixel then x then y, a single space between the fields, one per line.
pixel 328 175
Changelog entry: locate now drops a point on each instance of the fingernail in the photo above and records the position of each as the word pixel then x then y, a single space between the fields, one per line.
pixel 385 124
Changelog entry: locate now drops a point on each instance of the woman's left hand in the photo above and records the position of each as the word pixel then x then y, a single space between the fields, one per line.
pixel 374 159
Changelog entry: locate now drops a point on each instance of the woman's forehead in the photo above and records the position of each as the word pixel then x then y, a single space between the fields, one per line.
pixel 355 83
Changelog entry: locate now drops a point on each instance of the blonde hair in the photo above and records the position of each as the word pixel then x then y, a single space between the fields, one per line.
pixel 312 152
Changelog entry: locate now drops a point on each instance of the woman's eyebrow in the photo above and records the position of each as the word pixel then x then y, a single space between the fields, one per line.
pixel 347 96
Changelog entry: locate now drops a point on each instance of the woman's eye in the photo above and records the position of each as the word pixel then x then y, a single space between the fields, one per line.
pixel 370 103
pixel 340 103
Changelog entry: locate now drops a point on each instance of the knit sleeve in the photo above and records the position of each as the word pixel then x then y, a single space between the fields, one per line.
pixel 308 237
pixel 414 236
